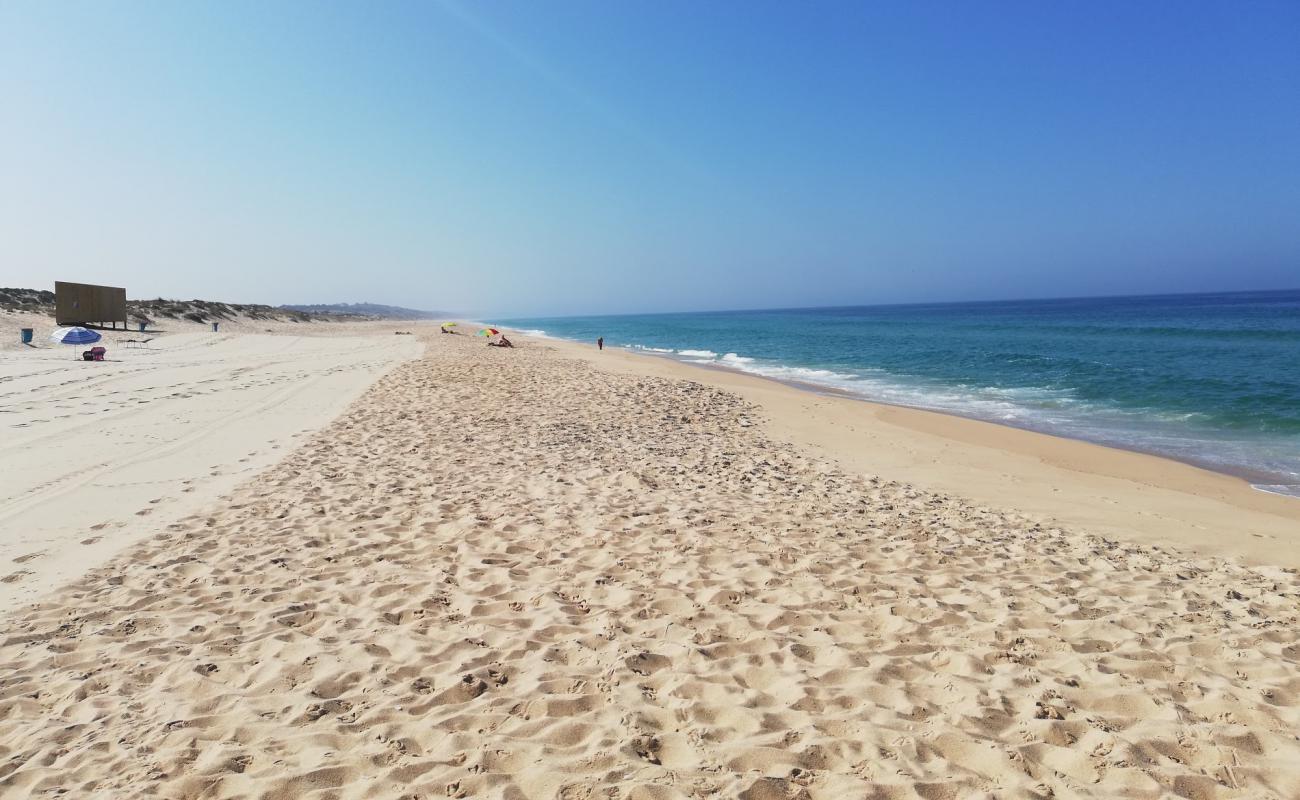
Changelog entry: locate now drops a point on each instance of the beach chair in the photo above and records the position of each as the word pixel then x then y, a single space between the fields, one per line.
pixel 139 342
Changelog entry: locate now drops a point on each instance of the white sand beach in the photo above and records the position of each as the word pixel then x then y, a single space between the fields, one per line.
pixel 532 574
pixel 304 533
pixel 97 456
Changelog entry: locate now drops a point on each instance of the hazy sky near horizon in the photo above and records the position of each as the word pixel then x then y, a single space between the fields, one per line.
pixel 515 158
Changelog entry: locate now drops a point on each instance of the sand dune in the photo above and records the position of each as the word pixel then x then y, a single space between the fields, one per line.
pixel 513 574
pixel 97 456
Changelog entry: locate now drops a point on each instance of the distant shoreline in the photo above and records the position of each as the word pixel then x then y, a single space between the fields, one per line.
pixel 1123 492
pixel 1259 481
pixel 1202 379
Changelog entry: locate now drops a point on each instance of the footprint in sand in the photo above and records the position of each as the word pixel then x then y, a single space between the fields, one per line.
pixel 91 540
pixel 28 557
pixel 14 577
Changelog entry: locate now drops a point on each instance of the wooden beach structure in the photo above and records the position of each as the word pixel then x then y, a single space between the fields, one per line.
pixel 88 304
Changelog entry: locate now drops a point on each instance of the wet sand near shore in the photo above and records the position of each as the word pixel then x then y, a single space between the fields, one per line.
pixel 517 574
pixel 1086 487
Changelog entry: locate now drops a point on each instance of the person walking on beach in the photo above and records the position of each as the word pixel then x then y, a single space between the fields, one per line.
pixel 600 343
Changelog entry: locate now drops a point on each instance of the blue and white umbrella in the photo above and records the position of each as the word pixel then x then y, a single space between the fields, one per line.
pixel 75 335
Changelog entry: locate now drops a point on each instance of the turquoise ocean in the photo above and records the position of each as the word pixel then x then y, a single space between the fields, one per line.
pixel 1209 379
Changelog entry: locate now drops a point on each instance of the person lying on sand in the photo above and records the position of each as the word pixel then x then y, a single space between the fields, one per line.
pixel 503 342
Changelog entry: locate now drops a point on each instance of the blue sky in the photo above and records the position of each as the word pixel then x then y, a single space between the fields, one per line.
pixel 593 157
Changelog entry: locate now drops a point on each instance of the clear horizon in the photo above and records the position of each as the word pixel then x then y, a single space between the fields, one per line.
pixel 1285 290
pixel 505 160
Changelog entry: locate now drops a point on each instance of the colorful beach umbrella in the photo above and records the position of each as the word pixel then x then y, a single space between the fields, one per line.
pixel 75 335
pixel 488 332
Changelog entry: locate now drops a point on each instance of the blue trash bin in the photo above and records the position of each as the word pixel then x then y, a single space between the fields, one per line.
pixel 27 335
pixel 142 324
pixel 214 326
